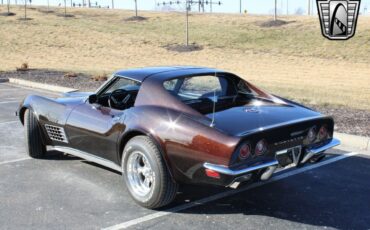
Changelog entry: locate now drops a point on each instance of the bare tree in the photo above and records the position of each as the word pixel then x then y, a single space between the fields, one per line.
pixel 299 11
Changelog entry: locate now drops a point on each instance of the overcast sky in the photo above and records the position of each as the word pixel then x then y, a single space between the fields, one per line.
pixel 228 6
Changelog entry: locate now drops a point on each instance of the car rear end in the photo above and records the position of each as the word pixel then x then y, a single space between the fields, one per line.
pixel 260 152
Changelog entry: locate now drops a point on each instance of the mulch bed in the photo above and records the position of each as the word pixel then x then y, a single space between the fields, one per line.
pixel 66 15
pixel 272 23
pixel 78 80
pixel 183 48
pixel 135 19
pixel 25 19
pixel 7 14
pixel 347 120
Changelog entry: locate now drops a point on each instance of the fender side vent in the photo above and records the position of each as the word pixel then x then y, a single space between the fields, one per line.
pixel 56 133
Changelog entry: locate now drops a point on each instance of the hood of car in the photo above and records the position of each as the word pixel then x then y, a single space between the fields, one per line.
pixel 246 119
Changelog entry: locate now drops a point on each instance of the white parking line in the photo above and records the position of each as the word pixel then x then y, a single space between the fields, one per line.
pixel 16 160
pixel 6 102
pixel 8 122
pixel 221 195
pixel 16 87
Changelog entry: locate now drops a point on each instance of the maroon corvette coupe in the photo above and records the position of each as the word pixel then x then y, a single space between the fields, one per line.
pixel 162 126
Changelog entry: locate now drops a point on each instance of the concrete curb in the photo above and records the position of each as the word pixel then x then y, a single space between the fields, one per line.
pixel 359 142
pixel 37 85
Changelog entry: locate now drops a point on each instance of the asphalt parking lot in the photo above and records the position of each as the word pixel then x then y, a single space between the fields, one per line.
pixel 65 192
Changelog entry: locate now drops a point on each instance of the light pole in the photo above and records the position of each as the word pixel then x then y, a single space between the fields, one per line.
pixel 240 6
pixel 275 11
pixel 136 8
pixel 287 8
pixel 65 8
pixel 25 9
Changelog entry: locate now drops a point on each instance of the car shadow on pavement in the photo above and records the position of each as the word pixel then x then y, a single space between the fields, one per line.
pixel 336 195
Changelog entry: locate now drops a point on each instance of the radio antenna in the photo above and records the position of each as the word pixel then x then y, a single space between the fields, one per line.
pixel 214 99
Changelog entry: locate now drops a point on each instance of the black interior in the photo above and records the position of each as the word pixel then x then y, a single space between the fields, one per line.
pixel 230 95
pixel 106 100
pixel 205 105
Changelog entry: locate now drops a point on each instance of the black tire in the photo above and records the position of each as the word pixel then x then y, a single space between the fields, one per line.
pixel 34 146
pixel 164 189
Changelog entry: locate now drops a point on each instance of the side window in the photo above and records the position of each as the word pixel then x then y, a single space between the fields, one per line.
pixel 170 85
pixel 201 86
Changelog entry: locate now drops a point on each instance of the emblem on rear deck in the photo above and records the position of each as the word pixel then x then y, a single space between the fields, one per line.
pixel 338 18
pixel 252 110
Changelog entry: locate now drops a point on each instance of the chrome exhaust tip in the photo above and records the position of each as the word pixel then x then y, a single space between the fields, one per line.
pixel 267 174
pixel 236 182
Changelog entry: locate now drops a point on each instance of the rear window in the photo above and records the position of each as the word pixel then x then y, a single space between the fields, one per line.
pixel 200 86
pixel 197 87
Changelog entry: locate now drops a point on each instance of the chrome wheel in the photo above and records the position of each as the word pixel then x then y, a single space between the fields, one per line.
pixel 140 175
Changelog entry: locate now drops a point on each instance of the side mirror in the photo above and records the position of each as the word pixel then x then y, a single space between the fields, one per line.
pixel 93 98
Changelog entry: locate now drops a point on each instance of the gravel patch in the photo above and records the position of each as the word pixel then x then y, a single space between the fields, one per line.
pixel 347 120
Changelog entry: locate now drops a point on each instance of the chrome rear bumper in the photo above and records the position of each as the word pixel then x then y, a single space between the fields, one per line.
pixel 227 171
pixel 317 151
pixel 308 155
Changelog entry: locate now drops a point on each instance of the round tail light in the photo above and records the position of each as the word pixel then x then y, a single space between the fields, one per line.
pixel 245 151
pixel 261 147
pixel 323 133
pixel 311 136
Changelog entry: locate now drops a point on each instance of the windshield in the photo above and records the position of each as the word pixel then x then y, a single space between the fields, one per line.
pixel 122 83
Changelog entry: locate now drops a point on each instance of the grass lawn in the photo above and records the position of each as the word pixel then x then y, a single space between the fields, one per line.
pixel 292 60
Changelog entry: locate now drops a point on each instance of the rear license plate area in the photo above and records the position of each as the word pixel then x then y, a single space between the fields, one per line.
pixel 289 157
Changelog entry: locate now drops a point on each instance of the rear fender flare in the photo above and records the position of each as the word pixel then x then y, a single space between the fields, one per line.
pixel 140 132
